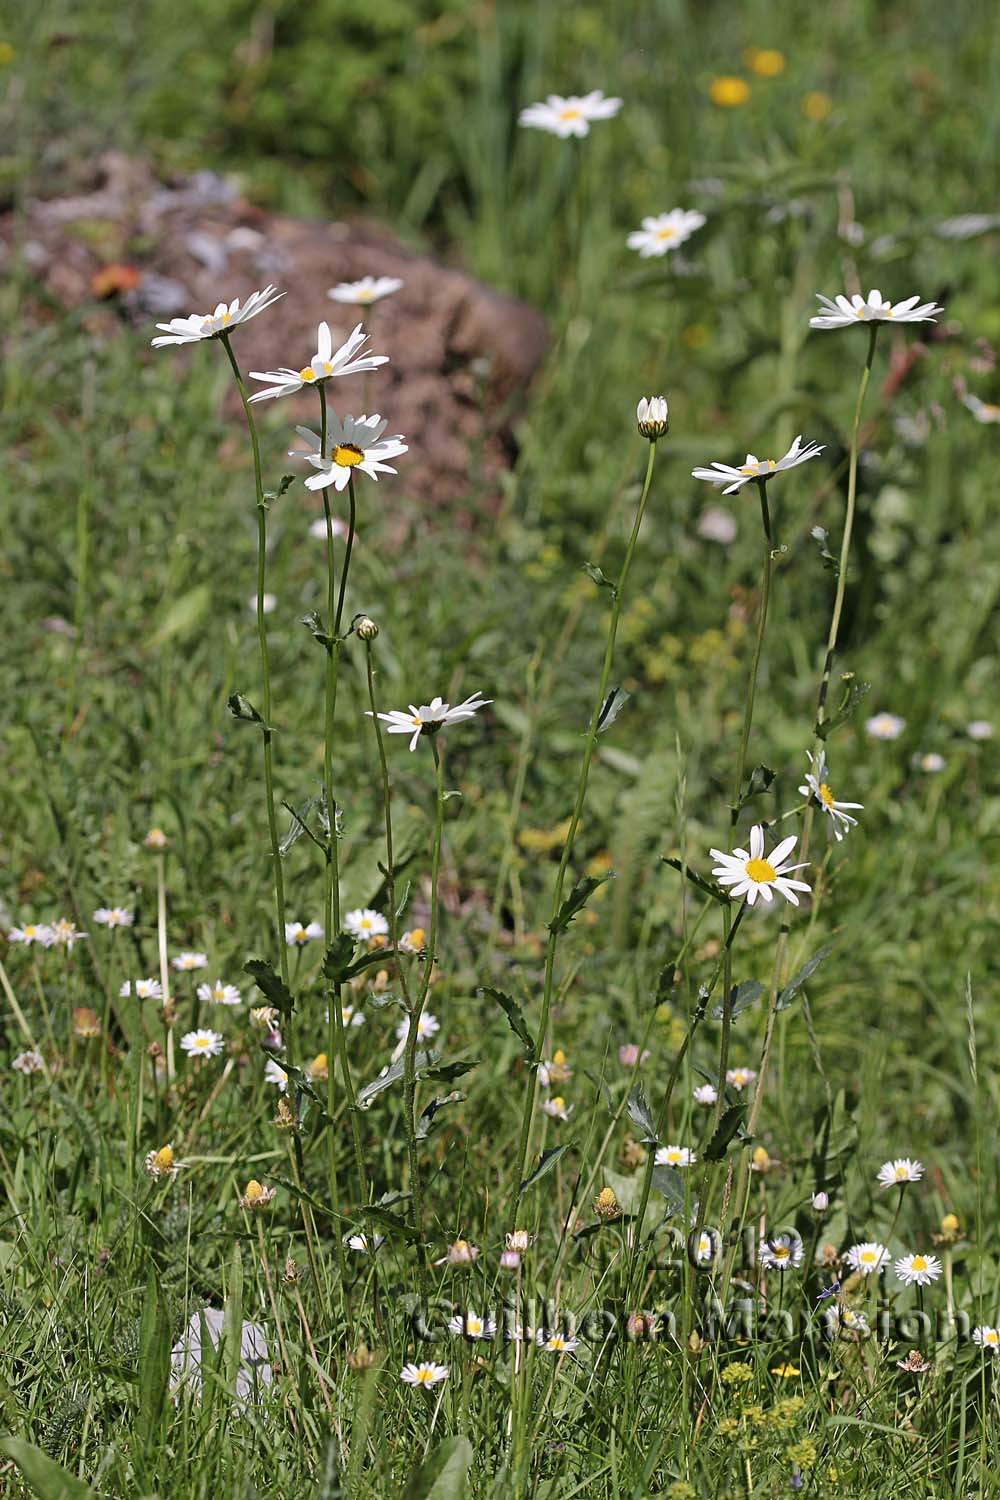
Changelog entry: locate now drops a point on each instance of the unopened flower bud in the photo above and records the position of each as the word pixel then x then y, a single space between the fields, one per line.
pixel 365 628
pixel 651 415
pixel 821 1202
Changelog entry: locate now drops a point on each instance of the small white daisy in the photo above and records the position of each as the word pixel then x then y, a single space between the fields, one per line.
pixel 28 1062
pixel 351 1016
pixel 554 1069
pixel 987 1337
pixel 841 313
pixel 571 116
pixel 983 411
pixel 365 923
pixel 424 1374
pixel 781 1252
pixel 820 1202
pixel 675 1156
pixel 725 477
pixel 220 994
pixel 202 1043
pixel 275 1073
pixel 186 962
pixel 113 916
pixel 868 1257
pixel 366 291
pixel 557 1108
pixel 665 232
pixel 65 933
pixel 752 875
pixel 932 762
pixel 708 1247
pixel 32 932
pixel 143 989
pixel 366 1244
pixel 817 786
pixel 296 935
pixel 922 1269
pixel 555 1343
pixel 325 364
pixel 738 1078
pixel 705 1093
pixel 427 1027
pixel 979 729
pixel 431 716
pixel 885 727
pixel 198 326
pixel 162 1163
pixel 895 1173
pixel 354 443
pixel 472 1326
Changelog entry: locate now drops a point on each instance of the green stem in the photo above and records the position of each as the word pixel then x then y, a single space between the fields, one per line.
pixel 765 595
pixel 390 859
pixel 265 667
pixel 531 1086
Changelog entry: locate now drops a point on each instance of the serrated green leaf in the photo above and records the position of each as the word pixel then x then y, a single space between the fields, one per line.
pixel 428 1113
pixel 742 996
pixel 759 781
pixel 577 900
pixel 641 1115
pixel 854 692
pixel 49 1480
pixel 515 1016
pixel 314 624
pixel 284 484
pixel 447 1072
pixel 809 968
pixel 241 708
pixel 730 1123
pixel 271 985
pixel 338 956
pixel 599 576
pixel 669 1182
pixel 546 1162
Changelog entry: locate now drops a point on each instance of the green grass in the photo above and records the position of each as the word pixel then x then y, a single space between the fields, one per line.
pixel 127 573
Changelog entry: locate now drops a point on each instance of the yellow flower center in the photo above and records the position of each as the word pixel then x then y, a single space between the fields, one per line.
pixel 202 1041
pixel 760 871
pixel 992 1337
pixel 319 1068
pixel 765 463
pixel 559 1057
pixel 867 1256
pixel 900 1174
pixel 308 373
pixel 780 1252
pixel 571 113
pixel 557 1342
pixel 254 1192
pixel 31 930
pixel 365 922
pixel 347 455
pixel 918 1263
pixel 418 938
pixel 164 1158
pixel 559 1103
pixel 424 1375
pixel 825 794
pixel 665 234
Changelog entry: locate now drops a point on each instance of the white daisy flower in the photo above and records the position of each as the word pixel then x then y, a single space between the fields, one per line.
pixel 65 933
pixel 652 417
pixel 472 1326
pixel 931 762
pixel 846 1317
pixel 557 1108
pixel 756 468
pixel 427 1027
pixel 570 116
pixel 817 786
pixel 922 1269
pixel 317 528
pixel 220 994
pixel 987 1337
pixel 555 1343
pixel 366 291
pixel 738 1078
pixel 885 727
pixel 365 1244
pixel 275 1073
pixel 143 989
pixel 752 875
pixel 781 1252
pixel 324 365
pixel 979 729
pixel 32 932
pixel 519 1240
pixel 186 962
pixel 296 935
pixel 162 1163
pixel 28 1062
pixel 350 1016
pixel 365 923
pixel 554 1069
pixel 431 716
pixel 895 1173
pixel 867 1257
pixel 708 1247
pixel 983 411
pixel 424 1374
pixel 202 1043
pixel 841 313
pixel 820 1202
pixel 354 443
pixel 704 1093
pixel 665 232
pixel 675 1156
pixel 226 317
pixel 113 916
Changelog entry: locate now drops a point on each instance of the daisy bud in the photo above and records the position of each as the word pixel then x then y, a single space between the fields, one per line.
pixel 510 1260
pixel 821 1202
pixel 651 416
pixel 256 1195
pixel 461 1253
pixel 155 839
pixel 365 628
pixel 606 1205
pixel 291 1274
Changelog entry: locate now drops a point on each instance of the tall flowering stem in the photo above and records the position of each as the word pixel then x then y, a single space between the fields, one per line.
pixel 265 667
pixel 531 1086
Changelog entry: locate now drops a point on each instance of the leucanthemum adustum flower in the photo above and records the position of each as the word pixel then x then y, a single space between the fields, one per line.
pixel 867 1257
pixel 31 1061
pixel 730 479
pixel 326 364
pixel 738 1078
pixel 571 116
pixel 430 717
pixel 365 1244
pixel 557 1108
pixel 902 1170
pixel 817 786
pixel 32 932
pixel 275 1073
pixel 842 313
pixel 352 443
pixel 113 916
pixel 675 1156
pixel 297 934
pixel 663 232
pixel 919 1269
pixel 983 411
pixel 363 922
pixel 203 1043
pixel 987 1338
pixel 220 994
pixel 366 291
pixel 781 1252
pixel 224 319
pixel 65 933
pixel 256 1195
pixel 752 874
pixel 162 1162
pixel 884 726
pixel 186 963
pixel 427 1027
pixel 471 1326
pixel 143 989
pixel 426 1374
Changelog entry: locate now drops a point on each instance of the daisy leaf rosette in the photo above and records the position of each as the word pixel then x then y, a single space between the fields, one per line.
pixel 352 443
pixel 730 479
pixel 226 317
